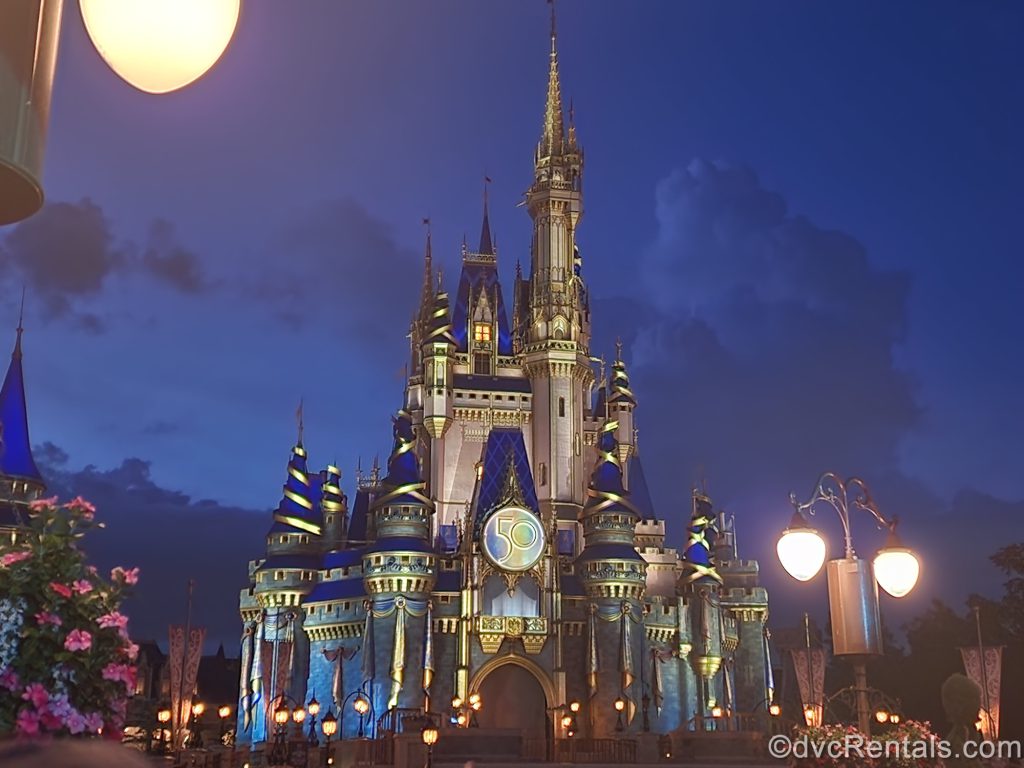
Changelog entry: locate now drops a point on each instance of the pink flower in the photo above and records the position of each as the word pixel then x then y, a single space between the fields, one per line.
pixel 49 720
pixel 82 586
pixel 131 650
pixel 91 570
pixel 93 722
pixel 37 695
pixel 9 680
pixel 129 576
pixel 78 504
pixel 39 504
pixel 78 640
pixel 44 617
pixel 15 557
pixel 120 673
pixel 27 723
pixel 113 620
pixel 76 722
pixel 60 589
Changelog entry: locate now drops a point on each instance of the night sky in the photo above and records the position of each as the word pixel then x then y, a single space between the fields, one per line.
pixel 802 218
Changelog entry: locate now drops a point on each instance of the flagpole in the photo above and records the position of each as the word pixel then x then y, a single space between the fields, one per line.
pixel 810 675
pixel 984 674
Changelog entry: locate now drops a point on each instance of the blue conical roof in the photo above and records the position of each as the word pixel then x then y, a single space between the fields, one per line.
pixel 606 488
pixel 15 447
pixel 299 507
pixel 403 483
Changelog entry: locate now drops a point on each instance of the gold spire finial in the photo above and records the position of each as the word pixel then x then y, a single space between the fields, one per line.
pixel 298 420
pixel 554 34
pixel 554 131
pixel 618 349
pixel 20 329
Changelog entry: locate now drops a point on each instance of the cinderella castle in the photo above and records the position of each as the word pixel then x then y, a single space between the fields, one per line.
pixel 508 562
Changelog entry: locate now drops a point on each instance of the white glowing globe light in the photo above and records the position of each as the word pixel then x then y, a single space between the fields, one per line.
pixel 160 46
pixel 801 552
pixel 896 570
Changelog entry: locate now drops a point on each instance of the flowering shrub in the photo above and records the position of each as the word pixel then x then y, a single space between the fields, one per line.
pixel 67 665
pixel 908 745
pixel 911 744
pixel 830 734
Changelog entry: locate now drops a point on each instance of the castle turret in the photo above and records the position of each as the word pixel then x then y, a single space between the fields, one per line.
pixel 438 346
pixel 399 573
pixel 20 480
pixel 621 404
pixel 334 508
pixel 613 575
pixel 699 586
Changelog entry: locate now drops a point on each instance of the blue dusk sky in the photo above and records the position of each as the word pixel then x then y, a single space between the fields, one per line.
pixel 802 218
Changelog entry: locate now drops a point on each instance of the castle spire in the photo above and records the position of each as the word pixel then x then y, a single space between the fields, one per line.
pixel 486 242
pixel 16 459
pixel 427 292
pixel 553 134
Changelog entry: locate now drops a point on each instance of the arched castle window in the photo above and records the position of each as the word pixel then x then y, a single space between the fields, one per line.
pixel 561 406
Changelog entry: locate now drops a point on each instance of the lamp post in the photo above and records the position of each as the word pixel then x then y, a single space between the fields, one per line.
pixel 163 716
pixel 620 704
pixel 430 735
pixel 196 742
pixel 313 707
pixel 361 705
pixel 279 750
pixel 157 46
pixel 223 713
pixel 852 582
pixel 329 725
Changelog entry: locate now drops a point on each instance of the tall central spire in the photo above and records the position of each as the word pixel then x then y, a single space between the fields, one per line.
pixel 553 135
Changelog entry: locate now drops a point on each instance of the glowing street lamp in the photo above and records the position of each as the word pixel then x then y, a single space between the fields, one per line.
pixel 852 582
pixel 159 46
pixel 882 716
pixel 801 549
pixel 329 725
pixel 313 707
pixel 430 735
pixel 224 712
pixel 361 705
pixel 620 704
pixel 155 45
pixel 774 710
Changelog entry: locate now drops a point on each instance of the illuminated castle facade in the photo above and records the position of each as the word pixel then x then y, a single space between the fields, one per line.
pixel 510 549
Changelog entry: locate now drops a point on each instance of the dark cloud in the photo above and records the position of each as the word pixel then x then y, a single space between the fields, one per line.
pixel 342 266
pixel 171 536
pixel 66 253
pixel 166 259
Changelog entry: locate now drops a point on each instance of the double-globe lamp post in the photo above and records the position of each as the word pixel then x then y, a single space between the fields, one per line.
pixel 852 582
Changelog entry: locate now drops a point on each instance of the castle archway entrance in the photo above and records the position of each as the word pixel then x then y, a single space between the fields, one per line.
pixel 514 697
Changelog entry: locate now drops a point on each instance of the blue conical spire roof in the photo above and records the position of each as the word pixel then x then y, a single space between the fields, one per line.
pixel 403 483
pixel 298 507
pixel 606 490
pixel 15 447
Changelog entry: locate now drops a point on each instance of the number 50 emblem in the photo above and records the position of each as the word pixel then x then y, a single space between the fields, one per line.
pixel 513 539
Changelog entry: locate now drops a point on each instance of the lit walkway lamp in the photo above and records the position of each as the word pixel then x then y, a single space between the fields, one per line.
pixel 852 582
pixel 157 46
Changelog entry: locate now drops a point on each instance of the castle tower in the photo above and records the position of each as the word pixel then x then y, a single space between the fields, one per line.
pixel 334 508
pixel 438 377
pixel 699 587
pixel 613 575
pixel 399 573
pixel 556 321
pixel 20 480
pixel 621 404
